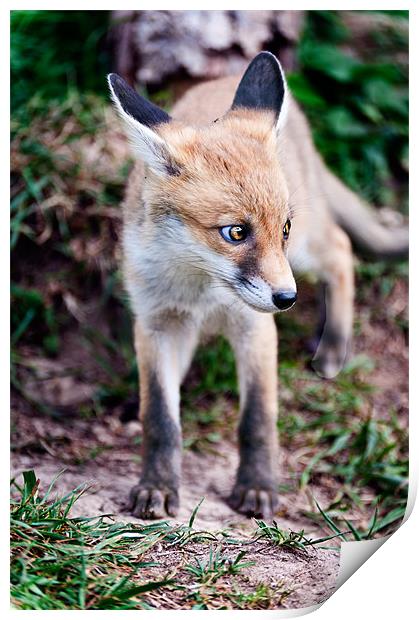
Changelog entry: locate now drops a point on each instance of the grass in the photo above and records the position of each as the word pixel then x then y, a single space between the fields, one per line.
pixel 65 218
pixel 261 598
pixel 374 526
pixel 60 562
pixel 64 562
pixel 216 566
pixel 292 540
pixel 343 446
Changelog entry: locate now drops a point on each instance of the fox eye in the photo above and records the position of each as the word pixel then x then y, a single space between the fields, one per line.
pixel 286 229
pixel 234 234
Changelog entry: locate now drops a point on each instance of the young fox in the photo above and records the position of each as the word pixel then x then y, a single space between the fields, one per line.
pixel 225 201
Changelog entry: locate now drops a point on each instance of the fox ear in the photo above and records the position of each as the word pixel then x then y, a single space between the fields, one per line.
pixel 263 87
pixel 141 117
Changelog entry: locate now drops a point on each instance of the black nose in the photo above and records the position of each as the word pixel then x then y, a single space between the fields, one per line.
pixel 284 299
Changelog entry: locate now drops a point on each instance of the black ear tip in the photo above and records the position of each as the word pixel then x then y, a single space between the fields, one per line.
pixel 262 86
pixel 111 77
pixel 115 81
pixel 266 54
pixel 268 59
pixel 121 89
pixel 145 112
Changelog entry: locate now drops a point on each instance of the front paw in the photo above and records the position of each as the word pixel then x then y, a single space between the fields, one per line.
pixel 253 501
pixel 149 502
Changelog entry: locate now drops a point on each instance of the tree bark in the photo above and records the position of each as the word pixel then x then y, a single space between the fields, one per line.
pixel 156 47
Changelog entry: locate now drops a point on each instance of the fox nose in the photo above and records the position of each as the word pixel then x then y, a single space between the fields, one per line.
pixel 284 299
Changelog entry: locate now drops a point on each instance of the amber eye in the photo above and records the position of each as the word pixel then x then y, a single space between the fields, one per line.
pixel 234 234
pixel 286 229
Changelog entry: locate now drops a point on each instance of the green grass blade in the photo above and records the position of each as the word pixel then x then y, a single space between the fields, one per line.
pixel 194 513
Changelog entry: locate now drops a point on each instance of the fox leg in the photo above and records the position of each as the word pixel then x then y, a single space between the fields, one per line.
pixel 255 347
pixel 163 358
pixel 335 268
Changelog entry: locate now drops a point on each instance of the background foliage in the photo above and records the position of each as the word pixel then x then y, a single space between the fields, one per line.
pixel 356 97
pixel 56 52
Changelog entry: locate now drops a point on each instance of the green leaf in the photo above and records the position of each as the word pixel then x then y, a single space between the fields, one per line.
pixel 146 587
pixel 343 124
pixel 394 515
pixel 194 512
pixel 332 525
pixel 304 91
pixel 356 534
pixel 386 96
pixel 30 484
pixel 339 444
pixel 329 60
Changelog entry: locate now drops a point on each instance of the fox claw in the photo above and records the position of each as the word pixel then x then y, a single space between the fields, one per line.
pixel 259 503
pixel 153 503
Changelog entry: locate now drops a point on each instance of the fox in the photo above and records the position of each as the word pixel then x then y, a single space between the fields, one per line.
pixel 228 199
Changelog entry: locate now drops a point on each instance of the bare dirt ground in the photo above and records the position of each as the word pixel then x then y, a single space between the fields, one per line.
pixel 309 577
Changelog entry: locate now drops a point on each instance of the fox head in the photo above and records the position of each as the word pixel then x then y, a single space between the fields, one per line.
pixel 217 193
